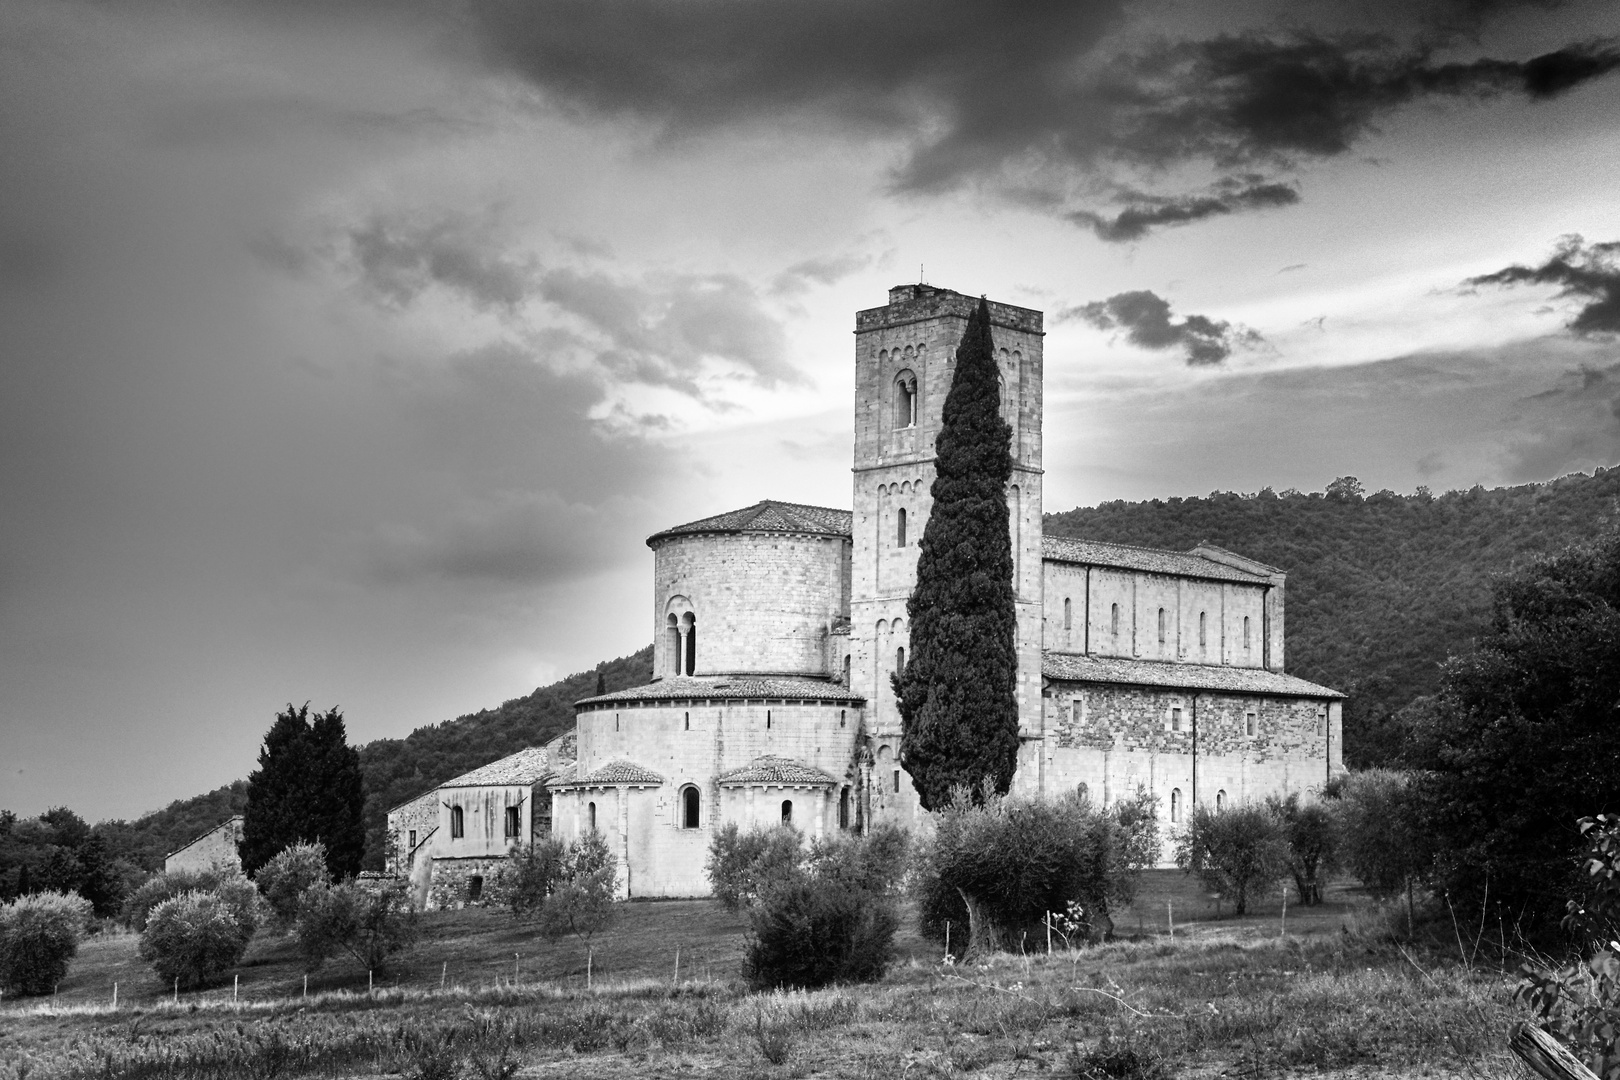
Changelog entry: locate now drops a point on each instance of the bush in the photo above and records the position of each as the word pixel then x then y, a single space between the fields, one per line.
pixel 742 865
pixel 283 880
pixel 820 926
pixel 194 938
pixel 876 862
pixel 371 924
pixel 998 869
pixel 1381 837
pixel 1312 842
pixel 1236 852
pixel 39 934
pixel 531 875
pixel 582 901
pixel 163 886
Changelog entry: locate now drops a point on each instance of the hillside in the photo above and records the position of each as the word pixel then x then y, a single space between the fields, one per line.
pixel 1381 588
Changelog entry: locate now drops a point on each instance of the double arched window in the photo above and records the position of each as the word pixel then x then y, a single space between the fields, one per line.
pixel 905 399
pixel 680 637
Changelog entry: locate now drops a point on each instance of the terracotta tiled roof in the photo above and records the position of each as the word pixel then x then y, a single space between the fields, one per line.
pixel 771 769
pixel 1153 560
pixel 527 766
pixel 731 687
pixel 768 516
pixel 617 772
pixel 564 775
pixel 1073 667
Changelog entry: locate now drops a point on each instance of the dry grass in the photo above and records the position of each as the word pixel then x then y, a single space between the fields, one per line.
pixel 1230 998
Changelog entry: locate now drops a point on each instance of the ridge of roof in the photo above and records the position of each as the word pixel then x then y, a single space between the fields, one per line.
pixel 1079 667
pixel 621 771
pixel 768 515
pixel 731 687
pixel 1153 560
pixel 776 769
pixel 527 766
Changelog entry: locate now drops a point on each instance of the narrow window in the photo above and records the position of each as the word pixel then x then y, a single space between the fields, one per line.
pixel 1175 805
pixel 615 721
pixel 1161 626
pixel 767 719
pixel 900 528
pixel 1248 723
pixel 475 888
pixel 688 717
pixel 897 781
pixel 592 815
pixel 846 669
pixel 1202 634
pixel 412 841
pixel 840 717
pixel 843 809
pixel 1220 800
pixel 513 828
pixel 1113 620
pixel 1321 722
pixel 1175 719
pixel 787 811
pixel 900 659
pixel 1068 620
pixel 690 800
pixel 672 645
pixel 905 399
pixel 455 823
pixel 691 644
pixel 1245 633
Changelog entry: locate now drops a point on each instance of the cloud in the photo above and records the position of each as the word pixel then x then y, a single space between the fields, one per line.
pixel 1037 101
pixel 1146 211
pixel 825 270
pixel 399 258
pixel 1145 319
pixel 1591 273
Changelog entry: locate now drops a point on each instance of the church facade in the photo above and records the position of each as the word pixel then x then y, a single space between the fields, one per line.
pixel 777 627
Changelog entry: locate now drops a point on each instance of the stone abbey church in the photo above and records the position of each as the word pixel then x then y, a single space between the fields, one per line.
pixel 776 629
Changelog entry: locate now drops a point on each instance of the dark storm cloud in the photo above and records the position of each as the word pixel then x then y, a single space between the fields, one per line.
pixel 1588 272
pixel 1145 318
pixel 1035 99
pixel 1145 211
pixel 661 330
pixel 825 270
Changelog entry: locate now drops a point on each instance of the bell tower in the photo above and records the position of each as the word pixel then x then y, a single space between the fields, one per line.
pixel 905 358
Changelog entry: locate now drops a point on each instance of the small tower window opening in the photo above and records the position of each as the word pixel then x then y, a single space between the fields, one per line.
pixel 1161 626
pixel 900 659
pixel 687 719
pixel 456 823
pixel 1220 800
pixel 1249 723
pixel 591 815
pixel 1203 623
pixel 615 721
pixel 787 811
pixel 1068 615
pixel 1175 718
pixel 672 644
pixel 905 400
pixel 513 828
pixel 846 669
pixel 841 717
pixel 1113 620
pixel 1245 633
pixel 691 802
pixel 691 643
pixel 843 809
pixel 900 528
pixel 1175 805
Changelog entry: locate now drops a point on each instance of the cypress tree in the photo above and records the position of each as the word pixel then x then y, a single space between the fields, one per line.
pixel 307 788
pixel 958 693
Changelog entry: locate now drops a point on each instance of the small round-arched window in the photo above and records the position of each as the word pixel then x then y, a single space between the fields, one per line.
pixel 591 815
pixel 1113 620
pixel 1083 791
pixel 691 805
pixel 457 823
pixel 1175 805
pixel 787 811
pixel 1220 800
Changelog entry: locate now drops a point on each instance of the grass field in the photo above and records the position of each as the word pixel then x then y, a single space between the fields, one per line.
pixel 1223 997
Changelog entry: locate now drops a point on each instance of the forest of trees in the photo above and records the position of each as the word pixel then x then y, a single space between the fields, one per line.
pixel 1381 589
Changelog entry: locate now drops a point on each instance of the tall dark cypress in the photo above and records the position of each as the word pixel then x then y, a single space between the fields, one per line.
pixel 307 787
pixel 958 693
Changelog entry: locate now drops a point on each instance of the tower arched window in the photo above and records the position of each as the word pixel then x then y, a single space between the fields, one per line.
pixel 689 622
pixel 900 527
pixel 1203 633
pixel 590 814
pixel 691 803
pixel 1220 800
pixel 787 811
pixel 1068 614
pixel 905 399
pixel 687 717
pixel 1245 633
pixel 672 644
pixel 843 808
pixel 1113 620
pixel 1175 805
pixel 900 659
pixel 846 671
pixel 1161 626
pixel 457 823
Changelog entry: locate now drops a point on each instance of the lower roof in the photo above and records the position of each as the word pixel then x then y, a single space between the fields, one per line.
pixel 727 688
pixel 1077 667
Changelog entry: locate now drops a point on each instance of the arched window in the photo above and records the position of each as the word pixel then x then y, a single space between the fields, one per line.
pixel 591 816
pixel 1083 792
pixel 1220 800
pixel 900 528
pixel 1245 633
pixel 843 809
pixel 787 811
pixel 1068 615
pixel 900 659
pixel 1175 805
pixel 456 823
pixel 688 720
pixel 905 399
pixel 690 802
pixel 1249 722
pixel 672 646
pixel 1113 620
pixel 1203 622
pixel 691 642
pixel 1161 626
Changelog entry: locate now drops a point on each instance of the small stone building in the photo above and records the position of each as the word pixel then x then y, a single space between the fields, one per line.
pixel 216 848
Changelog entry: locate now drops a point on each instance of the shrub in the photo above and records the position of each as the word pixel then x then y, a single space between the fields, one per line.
pixel 1236 852
pixel 998 869
pixel 284 878
pixel 531 875
pixel 812 930
pixel 39 934
pixel 741 865
pixel 876 862
pixel 368 923
pixel 1312 843
pixel 163 886
pixel 193 938
pixel 582 901
pixel 1378 823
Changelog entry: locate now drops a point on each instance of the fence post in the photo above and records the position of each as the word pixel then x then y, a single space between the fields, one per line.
pixel 1547 1056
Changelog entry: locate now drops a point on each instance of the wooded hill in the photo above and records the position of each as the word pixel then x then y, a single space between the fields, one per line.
pixel 1381 588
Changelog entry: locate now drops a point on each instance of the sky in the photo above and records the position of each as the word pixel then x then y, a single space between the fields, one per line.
pixel 349 351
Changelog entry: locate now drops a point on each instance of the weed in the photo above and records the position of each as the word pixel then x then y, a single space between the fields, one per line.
pixel 774 1037
pixel 1116 1059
